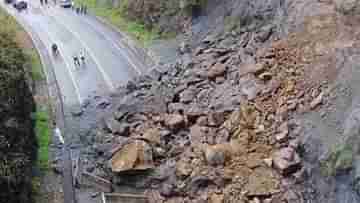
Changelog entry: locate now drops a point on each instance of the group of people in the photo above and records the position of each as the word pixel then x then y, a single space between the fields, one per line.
pixel 82 9
pixel 78 60
pixel 42 2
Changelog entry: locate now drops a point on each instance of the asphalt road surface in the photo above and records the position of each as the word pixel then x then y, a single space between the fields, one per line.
pixel 107 63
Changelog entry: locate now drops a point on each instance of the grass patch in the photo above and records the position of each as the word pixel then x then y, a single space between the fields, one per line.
pixel 340 159
pixel 42 128
pixel 115 16
pixel 36 66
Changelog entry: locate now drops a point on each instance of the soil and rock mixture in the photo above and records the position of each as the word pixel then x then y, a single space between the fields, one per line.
pixel 266 112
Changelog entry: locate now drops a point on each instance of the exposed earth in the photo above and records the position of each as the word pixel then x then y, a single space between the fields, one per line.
pixel 265 111
pixel 260 106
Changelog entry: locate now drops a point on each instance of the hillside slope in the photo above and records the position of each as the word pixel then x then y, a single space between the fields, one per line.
pixel 17 138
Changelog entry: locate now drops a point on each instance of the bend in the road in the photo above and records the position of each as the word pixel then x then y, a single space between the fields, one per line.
pixel 88 50
pixel 116 64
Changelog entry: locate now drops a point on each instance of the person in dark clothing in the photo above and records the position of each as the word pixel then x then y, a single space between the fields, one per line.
pixel 82 57
pixel 76 61
pixel 85 10
pixel 42 2
pixel 77 10
pixel 46 2
pixel 55 49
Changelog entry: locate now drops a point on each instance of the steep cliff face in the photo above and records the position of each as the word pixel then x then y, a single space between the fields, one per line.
pixel 17 138
pixel 221 15
pixel 166 15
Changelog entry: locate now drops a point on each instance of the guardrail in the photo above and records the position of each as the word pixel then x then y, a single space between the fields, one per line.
pixel 123 198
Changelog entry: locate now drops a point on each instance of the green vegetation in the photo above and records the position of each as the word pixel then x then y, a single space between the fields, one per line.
pixel 115 16
pixel 35 64
pixel 42 129
pixel 18 145
pixel 340 159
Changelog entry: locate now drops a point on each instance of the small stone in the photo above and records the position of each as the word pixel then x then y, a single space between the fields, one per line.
pixel 286 161
pixel 167 190
pixel 175 121
pixel 159 152
pixel 197 134
pixel 77 112
pixel 268 162
pixel 256 200
pixel 217 70
pixel 262 182
pixel 152 135
pixel 265 76
pixel 217 154
pixel 317 101
pixel 95 194
pixel 103 103
pixel 184 47
pixel 283 132
pixel 268 200
pixel 215 198
pixel 57 168
pixel 295 143
pixel 187 96
pixel 202 121
pixel 216 119
pixel 183 169
pixel 251 68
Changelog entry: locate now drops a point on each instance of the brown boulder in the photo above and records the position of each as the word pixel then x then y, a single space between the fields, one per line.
pixel 251 68
pixel 152 135
pixel 183 169
pixel 215 198
pixel 217 154
pixel 175 121
pixel 286 161
pixel 136 155
pixel 262 182
pixel 216 70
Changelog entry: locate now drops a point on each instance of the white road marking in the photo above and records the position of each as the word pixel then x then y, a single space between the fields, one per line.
pixel 116 45
pixel 106 77
pixel 80 100
pixel 61 46
pixel 58 134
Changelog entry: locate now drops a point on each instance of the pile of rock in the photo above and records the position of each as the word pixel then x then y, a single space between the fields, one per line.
pixel 217 126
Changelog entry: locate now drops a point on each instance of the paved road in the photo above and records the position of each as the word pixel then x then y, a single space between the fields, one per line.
pixel 108 64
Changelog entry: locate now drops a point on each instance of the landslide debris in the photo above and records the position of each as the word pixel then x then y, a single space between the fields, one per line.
pixel 221 124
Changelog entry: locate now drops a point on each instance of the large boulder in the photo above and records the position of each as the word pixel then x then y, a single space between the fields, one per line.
pixel 136 155
pixel 286 161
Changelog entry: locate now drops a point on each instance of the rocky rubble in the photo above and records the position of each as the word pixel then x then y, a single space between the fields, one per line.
pixel 222 123
pixel 219 129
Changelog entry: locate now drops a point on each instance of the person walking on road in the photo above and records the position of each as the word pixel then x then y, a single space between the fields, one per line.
pixel 82 57
pixel 46 2
pixel 42 2
pixel 76 60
